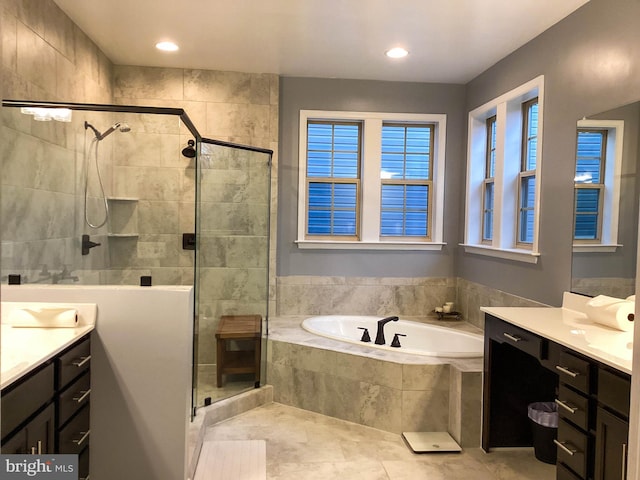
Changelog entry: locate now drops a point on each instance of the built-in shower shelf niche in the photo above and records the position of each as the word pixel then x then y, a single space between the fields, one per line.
pixel 123 217
pixel 122 199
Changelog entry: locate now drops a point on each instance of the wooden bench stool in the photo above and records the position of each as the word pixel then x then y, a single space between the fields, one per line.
pixel 242 328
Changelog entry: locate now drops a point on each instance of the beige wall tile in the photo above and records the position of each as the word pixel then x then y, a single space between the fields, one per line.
pixel 381 407
pixel 68 83
pixel 148 83
pixel 36 59
pixel 31 13
pixel 59 30
pixel 237 119
pixel 8 30
pixel 425 411
pixel 227 87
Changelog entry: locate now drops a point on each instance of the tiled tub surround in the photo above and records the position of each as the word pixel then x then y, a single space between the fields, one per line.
pixel 406 297
pixel 390 391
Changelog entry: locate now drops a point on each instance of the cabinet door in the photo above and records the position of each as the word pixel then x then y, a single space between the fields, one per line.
pixel 611 446
pixel 36 437
pixel 17 444
pixel 40 432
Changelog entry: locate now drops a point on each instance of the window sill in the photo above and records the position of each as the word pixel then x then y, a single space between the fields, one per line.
pixel 337 245
pixel 518 255
pixel 596 247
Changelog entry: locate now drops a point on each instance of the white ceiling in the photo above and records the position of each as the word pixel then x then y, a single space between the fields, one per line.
pixel 450 41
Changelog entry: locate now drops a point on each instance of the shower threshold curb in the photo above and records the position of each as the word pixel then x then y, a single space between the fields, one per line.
pixel 218 412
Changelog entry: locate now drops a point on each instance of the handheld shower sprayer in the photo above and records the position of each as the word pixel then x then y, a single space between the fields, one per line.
pixel 123 127
pixel 95 142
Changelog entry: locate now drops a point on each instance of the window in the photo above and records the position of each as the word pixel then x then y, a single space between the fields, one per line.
pixel 589 186
pixel 371 180
pixel 504 159
pixel 527 192
pixel 406 180
pixel 490 168
pixel 597 184
pixel 333 178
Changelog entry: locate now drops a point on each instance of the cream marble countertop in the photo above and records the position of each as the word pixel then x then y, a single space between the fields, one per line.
pixel 23 349
pixel 573 329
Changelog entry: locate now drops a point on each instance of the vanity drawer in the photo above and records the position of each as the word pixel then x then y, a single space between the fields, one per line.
pixel 74 397
pixel 74 362
pixel 574 371
pixel 22 400
pixel 520 338
pixel 572 448
pixel 74 437
pixel 573 406
pixel 614 391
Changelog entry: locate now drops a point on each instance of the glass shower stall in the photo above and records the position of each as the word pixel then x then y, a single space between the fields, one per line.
pixel 117 195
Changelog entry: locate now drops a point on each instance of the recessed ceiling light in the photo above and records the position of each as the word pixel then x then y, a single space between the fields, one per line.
pixel 397 52
pixel 167 46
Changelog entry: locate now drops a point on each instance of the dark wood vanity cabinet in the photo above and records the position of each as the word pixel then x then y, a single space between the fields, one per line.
pixel 612 425
pixel 28 413
pixel 47 411
pixel 521 367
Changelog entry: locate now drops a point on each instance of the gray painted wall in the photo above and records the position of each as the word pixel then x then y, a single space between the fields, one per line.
pixel 355 95
pixel 591 63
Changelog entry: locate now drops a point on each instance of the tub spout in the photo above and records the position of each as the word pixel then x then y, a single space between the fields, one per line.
pixel 380 332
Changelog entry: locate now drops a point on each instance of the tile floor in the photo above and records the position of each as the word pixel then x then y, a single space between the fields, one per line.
pixel 303 445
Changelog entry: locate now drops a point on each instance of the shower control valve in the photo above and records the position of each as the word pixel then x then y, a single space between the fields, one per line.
pixel 87 244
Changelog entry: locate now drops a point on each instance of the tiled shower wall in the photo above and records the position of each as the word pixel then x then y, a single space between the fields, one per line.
pixel 228 106
pixel 45 57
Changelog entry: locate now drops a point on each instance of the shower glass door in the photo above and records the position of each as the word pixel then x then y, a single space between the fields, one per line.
pixel 232 267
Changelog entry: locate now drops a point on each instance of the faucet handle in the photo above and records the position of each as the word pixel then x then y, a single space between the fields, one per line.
pixel 396 341
pixel 365 335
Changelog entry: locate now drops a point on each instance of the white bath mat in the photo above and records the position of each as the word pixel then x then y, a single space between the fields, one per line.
pixel 431 442
pixel 232 459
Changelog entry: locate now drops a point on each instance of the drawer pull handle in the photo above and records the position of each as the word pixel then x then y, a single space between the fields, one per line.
pixel 566 406
pixel 624 461
pixel 513 338
pixel 567 447
pixel 81 361
pixel 85 435
pixel 571 373
pixel 83 395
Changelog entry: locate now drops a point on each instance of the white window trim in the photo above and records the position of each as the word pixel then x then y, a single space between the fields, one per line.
pixel 508 111
pixel 370 181
pixel 613 174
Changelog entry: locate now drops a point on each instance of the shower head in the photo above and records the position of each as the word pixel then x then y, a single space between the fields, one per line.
pixel 189 151
pixel 123 127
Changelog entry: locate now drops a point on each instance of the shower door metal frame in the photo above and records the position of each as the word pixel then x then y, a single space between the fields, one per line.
pixel 248 148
